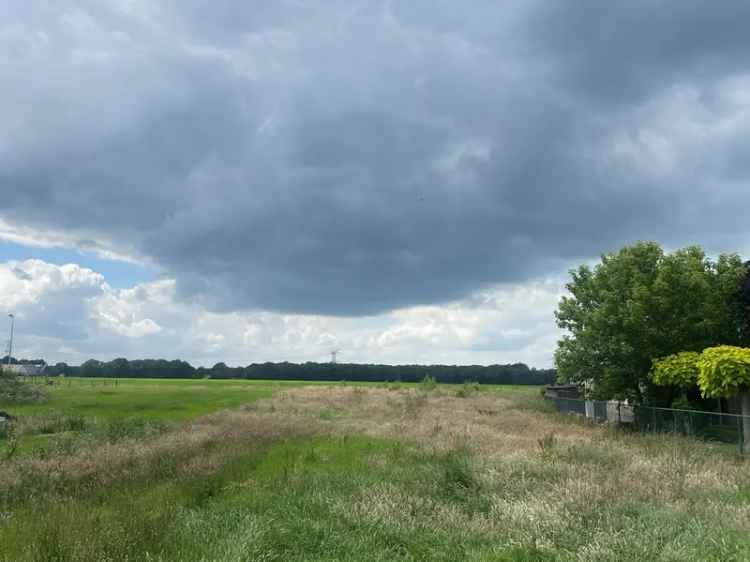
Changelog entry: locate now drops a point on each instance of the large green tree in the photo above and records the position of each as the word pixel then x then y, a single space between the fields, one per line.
pixel 640 304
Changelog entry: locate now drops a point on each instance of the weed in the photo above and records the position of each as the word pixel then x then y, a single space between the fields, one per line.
pixel 535 404
pixel 58 423
pixel 311 455
pixel 487 412
pixel 289 464
pixel 468 389
pixel 460 479
pixel 75 422
pixel 547 445
pixel 358 393
pixel 327 414
pixel 397 450
pixel 414 403
pixel 131 428
pixel 394 386
pixel 428 383
pixel 603 456
pixel 9 433
pixel 459 472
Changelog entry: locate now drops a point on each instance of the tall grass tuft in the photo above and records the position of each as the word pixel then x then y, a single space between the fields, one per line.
pixel 468 389
pixel 459 471
pixel 428 383
pixel 547 446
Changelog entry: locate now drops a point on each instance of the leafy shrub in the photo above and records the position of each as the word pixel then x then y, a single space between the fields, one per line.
pixel 15 391
pixel 680 370
pixel 724 370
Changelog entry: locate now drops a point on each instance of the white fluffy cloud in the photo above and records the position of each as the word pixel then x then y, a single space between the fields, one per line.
pixel 70 313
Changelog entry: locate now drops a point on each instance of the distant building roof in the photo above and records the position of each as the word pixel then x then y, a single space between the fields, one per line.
pixel 27 370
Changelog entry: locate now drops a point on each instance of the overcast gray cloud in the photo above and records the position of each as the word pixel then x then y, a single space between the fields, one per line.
pixel 350 158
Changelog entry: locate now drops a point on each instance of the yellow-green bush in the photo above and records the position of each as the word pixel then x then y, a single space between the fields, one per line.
pixel 724 371
pixel 721 371
pixel 680 370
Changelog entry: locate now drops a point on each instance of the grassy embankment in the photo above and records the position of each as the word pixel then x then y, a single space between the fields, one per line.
pixel 373 473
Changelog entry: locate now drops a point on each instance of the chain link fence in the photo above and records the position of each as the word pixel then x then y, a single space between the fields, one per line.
pixel 709 426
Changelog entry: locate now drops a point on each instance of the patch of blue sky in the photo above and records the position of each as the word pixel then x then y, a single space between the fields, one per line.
pixel 118 274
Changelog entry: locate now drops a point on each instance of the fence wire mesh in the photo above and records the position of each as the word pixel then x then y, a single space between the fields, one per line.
pixel 709 426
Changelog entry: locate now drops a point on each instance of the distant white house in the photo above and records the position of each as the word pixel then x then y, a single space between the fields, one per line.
pixel 25 370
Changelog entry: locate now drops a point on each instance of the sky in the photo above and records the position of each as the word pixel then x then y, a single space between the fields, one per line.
pixel 407 181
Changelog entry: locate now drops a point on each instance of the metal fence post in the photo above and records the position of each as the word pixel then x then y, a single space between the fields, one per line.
pixel 739 434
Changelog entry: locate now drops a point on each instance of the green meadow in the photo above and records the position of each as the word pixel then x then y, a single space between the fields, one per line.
pixel 154 399
pixel 263 471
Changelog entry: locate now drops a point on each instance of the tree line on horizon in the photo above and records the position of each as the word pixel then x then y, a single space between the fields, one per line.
pixel 514 373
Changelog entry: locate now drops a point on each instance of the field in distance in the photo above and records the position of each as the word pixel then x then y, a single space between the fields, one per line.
pixel 167 399
pixel 156 399
pixel 260 470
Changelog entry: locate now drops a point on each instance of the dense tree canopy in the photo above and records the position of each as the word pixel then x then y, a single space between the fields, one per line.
pixel 641 304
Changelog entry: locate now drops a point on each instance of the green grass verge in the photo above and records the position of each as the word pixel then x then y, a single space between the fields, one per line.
pixel 344 499
pixel 166 400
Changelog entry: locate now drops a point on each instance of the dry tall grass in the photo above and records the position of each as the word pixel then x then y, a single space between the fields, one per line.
pixel 203 445
pixel 592 461
pixel 511 473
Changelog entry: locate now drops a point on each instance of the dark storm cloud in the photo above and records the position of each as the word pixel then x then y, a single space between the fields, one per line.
pixel 350 158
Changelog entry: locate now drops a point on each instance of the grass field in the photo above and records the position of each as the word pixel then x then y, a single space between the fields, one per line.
pixel 231 470
pixel 157 399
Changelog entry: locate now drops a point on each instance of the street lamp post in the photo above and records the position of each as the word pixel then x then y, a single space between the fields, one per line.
pixel 10 342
